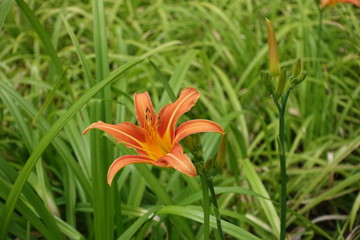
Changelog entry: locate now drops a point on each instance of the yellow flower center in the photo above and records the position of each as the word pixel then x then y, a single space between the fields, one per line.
pixel 155 146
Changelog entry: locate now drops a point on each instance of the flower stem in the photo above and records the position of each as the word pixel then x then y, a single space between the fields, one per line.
pixel 206 206
pixel 207 185
pixel 215 206
pixel 283 193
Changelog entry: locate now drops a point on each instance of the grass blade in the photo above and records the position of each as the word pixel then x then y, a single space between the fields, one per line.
pixel 196 215
pixel 259 188
pixel 4 10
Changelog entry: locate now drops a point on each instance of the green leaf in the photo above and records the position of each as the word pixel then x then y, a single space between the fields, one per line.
pixel 4 10
pixel 137 224
pixel 267 206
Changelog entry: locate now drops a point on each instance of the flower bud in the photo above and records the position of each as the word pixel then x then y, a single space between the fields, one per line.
pixel 281 84
pixel 193 143
pixel 268 82
pixel 301 77
pixel 221 154
pixel 297 68
pixel 273 50
pixel 209 164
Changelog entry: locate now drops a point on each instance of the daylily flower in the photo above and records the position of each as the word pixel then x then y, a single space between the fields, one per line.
pixel 156 139
pixel 325 3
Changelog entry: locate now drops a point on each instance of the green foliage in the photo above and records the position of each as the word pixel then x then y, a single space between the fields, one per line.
pixel 64 66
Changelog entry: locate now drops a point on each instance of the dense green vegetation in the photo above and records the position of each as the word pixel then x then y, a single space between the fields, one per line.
pixel 53 179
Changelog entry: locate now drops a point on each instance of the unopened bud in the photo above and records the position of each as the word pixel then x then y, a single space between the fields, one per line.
pixel 301 77
pixel 193 143
pixel 281 84
pixel 221 154
pixel 297 68
pixel 274 64
pixel 268 82
pixel 209 164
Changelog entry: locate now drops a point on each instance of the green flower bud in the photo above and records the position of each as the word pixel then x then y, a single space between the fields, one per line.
pixel 297 68
pixel 209 165
pixel 297 80
pixel 281 84
pixel 221 154
pixel 193 143
pixel 268 82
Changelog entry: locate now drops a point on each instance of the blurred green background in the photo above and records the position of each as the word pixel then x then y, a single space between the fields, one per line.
pixel 53 52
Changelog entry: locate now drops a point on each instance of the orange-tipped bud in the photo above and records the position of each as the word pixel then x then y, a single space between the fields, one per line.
pixel 273 50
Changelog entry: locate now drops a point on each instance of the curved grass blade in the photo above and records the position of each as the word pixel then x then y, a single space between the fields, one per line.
pixel 84 63
pixel 137 224
pixel 48 225
pixel 268 206
pixel 47 138
pixel 49 97
pixel 163 80
pixel 198 216
pixel 4 10
pixel 24 209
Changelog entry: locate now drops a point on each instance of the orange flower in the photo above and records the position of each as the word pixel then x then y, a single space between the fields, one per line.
pixel 156 139
pixel 325 3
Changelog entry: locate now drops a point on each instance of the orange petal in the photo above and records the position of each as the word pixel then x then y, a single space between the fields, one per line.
pixel 196 126
pixel 121 162
pixel 169 115
pixel 180 161
pixel 144 109
pixel 328 3
pixel 355 2
pixel 126 132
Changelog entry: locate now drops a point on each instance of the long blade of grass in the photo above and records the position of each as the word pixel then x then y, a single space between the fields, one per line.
pixel 101 150
pixel 163 80
pixel 45 141
pixel 179 75
pixel 198 216
pixel 128 234
pixel 84 63
pixel 4 10
pixel 259 188
pixel 49 97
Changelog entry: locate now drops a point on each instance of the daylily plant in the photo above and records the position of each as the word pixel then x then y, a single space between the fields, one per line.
pixel 156 139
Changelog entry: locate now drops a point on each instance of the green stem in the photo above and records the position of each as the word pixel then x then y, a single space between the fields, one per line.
pixel 283 191
pixel 206 207
pixel 215 206
pixel 207 185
